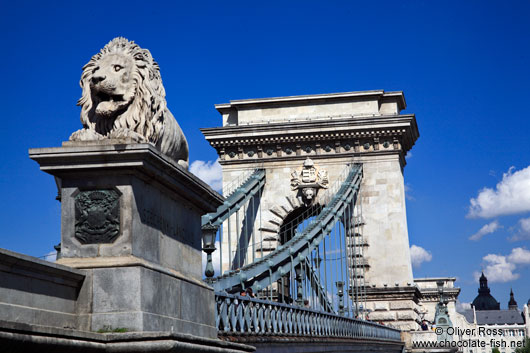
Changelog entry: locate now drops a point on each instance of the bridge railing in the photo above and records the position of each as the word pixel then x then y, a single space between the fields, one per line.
pixel 250 316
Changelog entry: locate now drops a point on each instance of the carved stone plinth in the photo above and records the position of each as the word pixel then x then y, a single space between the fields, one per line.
pixel 131 218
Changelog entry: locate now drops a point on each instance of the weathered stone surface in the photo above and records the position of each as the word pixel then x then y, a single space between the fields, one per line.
pixel 279 211
pixel 38 292
pixel 380 306
pixel 309 107
pixel 406 315
pixel 398 299
pixel 407 325
pixel 172 290
pixel 293 201
pixel 143 299
pixel 191 296
pixel 402 304
pixel 382 315
pixel 36 316
pixel 276 221
pixel 17 337
pixel 84 303
pixel 116 289
pixel 122 84
pixel 329 345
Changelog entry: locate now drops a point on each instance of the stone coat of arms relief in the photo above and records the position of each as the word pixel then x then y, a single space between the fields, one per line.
pixel 309 180
pixel 97 216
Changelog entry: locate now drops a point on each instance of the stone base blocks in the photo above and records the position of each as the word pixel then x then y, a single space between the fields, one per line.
pixel 143 299
pixel 395 306
pixel 131 221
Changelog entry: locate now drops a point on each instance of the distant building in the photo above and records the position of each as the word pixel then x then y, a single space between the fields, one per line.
pixel 512 304
pixel 507 327
pixel 484 300
pixel 480 328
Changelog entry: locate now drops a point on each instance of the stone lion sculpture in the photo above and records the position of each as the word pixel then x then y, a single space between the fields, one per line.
pixel 123 97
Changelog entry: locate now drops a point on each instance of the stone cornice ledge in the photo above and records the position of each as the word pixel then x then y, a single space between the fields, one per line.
pixel 386 293
pixel 43 270
pixel 352 156
pixel 343 128
pixel 313 97
pixel 25 337
pixel 433 293
pixel 373 122
pixel 127 261
pixel 142 159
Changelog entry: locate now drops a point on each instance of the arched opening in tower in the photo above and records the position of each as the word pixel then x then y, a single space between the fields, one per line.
pixel 296 221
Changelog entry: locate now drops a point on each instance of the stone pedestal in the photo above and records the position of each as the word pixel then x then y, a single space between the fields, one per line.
pixel 131 218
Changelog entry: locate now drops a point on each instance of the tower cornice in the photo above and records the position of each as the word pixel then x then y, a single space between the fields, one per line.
pixel 330 137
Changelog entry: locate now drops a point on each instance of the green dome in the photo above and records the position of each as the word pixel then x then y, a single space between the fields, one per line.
pixel 484 300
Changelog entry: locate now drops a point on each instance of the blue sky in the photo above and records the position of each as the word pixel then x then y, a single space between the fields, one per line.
pixel 463 66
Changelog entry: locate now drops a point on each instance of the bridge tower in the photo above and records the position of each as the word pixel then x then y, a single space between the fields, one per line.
pixel 280 135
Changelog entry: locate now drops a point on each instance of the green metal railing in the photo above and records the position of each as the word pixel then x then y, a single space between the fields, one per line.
pixel 244 315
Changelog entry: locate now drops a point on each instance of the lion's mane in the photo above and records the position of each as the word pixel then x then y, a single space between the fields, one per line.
pixel 147 114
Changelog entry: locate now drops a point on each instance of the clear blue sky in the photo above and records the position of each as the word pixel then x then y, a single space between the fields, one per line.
pixel 464 68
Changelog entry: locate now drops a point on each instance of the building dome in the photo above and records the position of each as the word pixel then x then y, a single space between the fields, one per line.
pixel 484 300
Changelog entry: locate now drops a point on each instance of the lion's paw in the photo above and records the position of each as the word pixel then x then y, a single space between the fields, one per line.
pixel 123 133
pixel 85 135
pixel 183 163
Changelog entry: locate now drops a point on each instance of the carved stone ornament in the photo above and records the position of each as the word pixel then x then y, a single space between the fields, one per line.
pixel 309 180
pixel 97 216
pixel 123 98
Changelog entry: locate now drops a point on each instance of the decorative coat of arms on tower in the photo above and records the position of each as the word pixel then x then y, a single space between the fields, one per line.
pixel 97 216
pixel 309 180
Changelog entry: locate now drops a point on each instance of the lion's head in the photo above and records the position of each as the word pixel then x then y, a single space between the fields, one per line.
pixel 123 97
pixel 122 88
